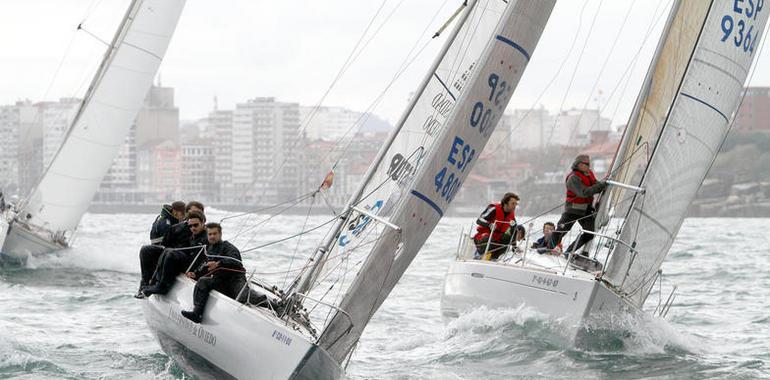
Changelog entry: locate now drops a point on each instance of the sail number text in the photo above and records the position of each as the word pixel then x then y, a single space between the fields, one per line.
pixel 461 154
pixel 742 31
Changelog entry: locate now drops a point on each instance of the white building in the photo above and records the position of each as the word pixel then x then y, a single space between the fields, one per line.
pixel 219 130
pixel 527 128
pixel 120 184
pixel 537 128
pixel 198 171
pixel 329 123
pixel 9 148
pixel 56 118
pixel 158 119
pixel 264 163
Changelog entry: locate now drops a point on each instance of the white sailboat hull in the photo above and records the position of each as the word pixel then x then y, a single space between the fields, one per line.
pixel 574 300
pixel 20 243
pixel 234 341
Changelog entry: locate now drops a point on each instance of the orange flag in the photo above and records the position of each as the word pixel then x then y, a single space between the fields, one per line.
pixel 327 183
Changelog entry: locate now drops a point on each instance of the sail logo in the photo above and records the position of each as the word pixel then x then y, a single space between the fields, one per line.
pixel 358 224
pixel 741 33
pixel 442 104
pixel 401 169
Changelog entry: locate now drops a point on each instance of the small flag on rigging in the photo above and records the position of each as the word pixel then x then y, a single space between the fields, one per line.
pixel 327 183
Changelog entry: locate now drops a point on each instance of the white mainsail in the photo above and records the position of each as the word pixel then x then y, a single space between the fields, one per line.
pixel 108 109
pixel 436 172
pixel 690 131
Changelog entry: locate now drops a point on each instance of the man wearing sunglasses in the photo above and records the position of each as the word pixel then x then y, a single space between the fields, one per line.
pixel 581 186
pixel 176 261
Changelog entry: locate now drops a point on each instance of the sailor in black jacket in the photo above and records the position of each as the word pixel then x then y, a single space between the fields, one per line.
pixel 222 271
pixel 149 255
pixel 169 215
pixel 179 255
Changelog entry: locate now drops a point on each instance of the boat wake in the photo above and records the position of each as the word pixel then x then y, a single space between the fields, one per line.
pixel 494 343
pixel 625 333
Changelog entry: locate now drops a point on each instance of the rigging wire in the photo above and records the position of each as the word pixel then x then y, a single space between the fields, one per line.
pixel 290 236
pixel 574 72
pixel 298 141
pixel 604 64
pixel 401 69
pixel 67 51
pixel 628 71
pixel 367 114
pixel 550 82
pixel 345 65
pixel 299 240
pixel 244 225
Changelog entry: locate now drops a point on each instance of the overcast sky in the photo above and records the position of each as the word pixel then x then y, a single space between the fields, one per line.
pixel 240 49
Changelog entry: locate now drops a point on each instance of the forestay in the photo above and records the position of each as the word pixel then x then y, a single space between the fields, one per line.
pixel 438 174
pixel 693 130
pixel 108 109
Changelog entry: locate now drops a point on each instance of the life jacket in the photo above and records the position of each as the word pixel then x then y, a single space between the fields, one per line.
pixel 503 223
pixel 588 180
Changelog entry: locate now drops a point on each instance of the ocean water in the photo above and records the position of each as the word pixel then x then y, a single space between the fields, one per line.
pixel 72 315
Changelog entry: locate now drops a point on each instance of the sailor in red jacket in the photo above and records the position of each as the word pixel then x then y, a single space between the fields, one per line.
pixel 496 221
pixel 578 206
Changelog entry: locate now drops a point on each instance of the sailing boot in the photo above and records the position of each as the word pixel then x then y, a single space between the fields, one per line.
pixel 139 294
pixel 196 315
pixel 154 289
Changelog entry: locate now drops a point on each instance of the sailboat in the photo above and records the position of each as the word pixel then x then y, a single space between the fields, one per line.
pixel 47 219
pixel 691 93
pixel 401 198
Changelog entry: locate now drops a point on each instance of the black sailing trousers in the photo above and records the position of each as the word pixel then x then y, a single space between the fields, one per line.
pixel 227 283
pixel 567 220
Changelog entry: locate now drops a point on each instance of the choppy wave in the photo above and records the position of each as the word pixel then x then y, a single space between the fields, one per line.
pixel 71 315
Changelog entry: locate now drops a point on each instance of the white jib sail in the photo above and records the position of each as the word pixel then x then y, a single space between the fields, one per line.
pixel 660 87
pixel 421 122
pixel 704 106
pixel 109 108
pixel 439 174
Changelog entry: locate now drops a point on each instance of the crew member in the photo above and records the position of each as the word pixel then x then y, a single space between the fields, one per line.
pixel 149 255
pixel 176 261
pixel 493 223
pixel 222 272
pixel 581 186
pixel 547 244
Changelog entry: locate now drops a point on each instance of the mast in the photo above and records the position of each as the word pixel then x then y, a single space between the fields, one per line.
pixel 307 279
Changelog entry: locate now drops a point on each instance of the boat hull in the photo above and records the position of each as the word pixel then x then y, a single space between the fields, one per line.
pixel 20 243
pixel 574 300
pixel 3 232
pixel 234 341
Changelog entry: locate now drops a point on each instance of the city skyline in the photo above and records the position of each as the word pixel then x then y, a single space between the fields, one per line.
pixel 223 51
